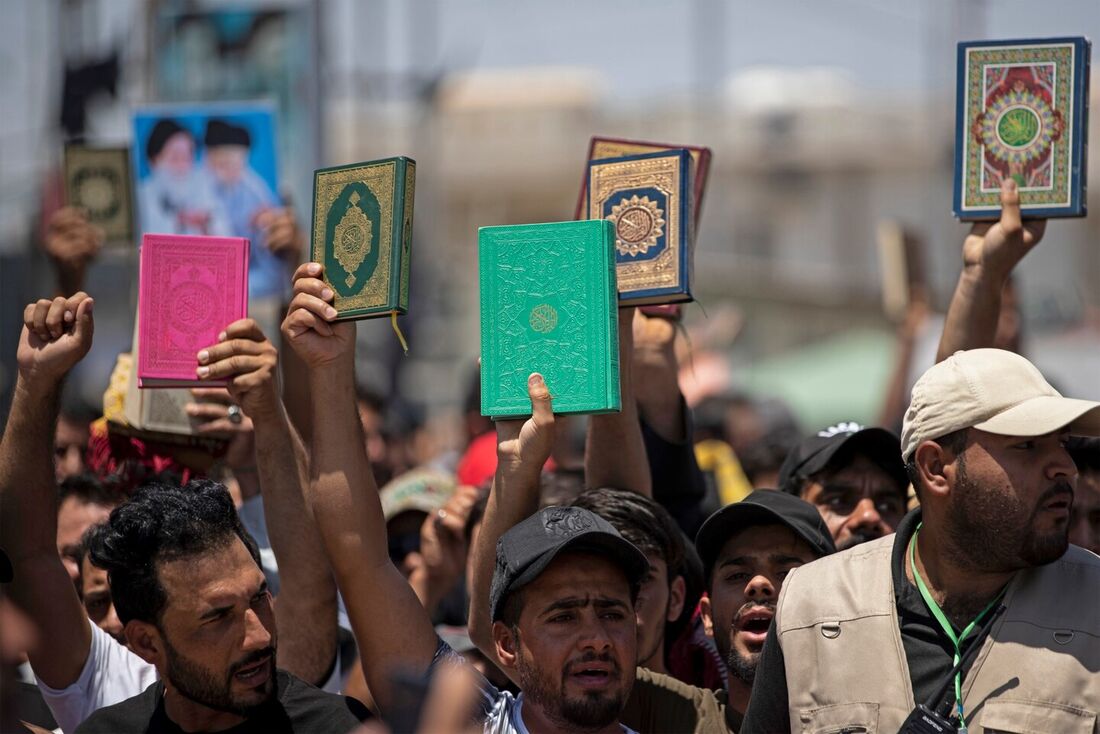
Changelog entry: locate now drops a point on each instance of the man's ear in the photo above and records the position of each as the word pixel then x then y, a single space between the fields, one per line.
pixel 145 641
pixel 677 590
pixel 705 614
pixel 506 644
pixel 936 468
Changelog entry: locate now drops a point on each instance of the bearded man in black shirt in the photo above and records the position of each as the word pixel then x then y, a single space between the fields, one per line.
pixel 188 587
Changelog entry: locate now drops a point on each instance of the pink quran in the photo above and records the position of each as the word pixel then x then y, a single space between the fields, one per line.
pixel 190 289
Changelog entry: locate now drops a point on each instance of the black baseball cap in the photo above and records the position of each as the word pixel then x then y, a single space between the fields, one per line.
pixel 763 507
pixel 528 548
pixel 816 452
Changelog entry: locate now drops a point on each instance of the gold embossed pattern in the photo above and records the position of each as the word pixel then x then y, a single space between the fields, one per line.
pixel 639 223
pixel 352 239
pixel 379 179
pixel 662 174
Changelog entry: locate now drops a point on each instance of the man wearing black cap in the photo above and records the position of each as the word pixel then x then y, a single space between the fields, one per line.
pixel 855 478
pixel 747 550
pixel 562 605
pixel 561 597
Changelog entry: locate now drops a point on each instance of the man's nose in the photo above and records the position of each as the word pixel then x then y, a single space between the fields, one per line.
pixel 594 635
pixel 256 635
pixel 111 623
pixel 760 587
pixel 866 515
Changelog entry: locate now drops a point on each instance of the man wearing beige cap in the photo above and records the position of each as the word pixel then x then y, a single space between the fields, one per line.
pixel 977 615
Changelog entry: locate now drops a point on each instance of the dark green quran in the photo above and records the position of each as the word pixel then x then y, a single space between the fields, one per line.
pixel 362 234
pixel 549 304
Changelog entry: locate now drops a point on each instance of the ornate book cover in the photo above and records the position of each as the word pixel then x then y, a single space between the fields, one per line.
pixel 190 289
pixel 98 181
pixel 1022 112
pixel 548 305
pixel 362 234
pixel 600 148
pixel 648 200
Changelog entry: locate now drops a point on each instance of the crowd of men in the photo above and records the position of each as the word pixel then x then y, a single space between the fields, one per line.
pixel 549 581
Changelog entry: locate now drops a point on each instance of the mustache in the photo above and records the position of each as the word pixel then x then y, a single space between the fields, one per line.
pixel 252 658
pixel 753 606
pixel 1060 488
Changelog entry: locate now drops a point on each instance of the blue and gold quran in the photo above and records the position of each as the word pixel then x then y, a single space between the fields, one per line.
pixel 648 199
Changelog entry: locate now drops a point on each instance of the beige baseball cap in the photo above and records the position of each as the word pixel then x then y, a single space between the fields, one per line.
pixel 994 391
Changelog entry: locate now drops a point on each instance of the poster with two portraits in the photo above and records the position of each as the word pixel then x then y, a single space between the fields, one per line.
pixel 210 169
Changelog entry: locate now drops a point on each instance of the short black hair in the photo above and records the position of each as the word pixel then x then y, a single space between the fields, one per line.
pixel 159 136
pixel 638 519
pixel 955 442
pixel 511 609
pixel 161 523
pixel 90 490
pixel 1085 453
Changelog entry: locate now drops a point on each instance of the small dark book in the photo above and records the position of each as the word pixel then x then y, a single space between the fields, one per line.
pixel 97 180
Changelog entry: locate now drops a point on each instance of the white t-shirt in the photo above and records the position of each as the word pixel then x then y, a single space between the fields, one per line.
pixel 111 674
pixel 506 716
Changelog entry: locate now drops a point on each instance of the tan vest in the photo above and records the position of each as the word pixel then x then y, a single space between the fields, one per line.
pixel 1037 671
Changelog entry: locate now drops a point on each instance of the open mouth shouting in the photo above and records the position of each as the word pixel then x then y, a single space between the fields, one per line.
pixel 751 624
pixel 593 675
pixel 255 673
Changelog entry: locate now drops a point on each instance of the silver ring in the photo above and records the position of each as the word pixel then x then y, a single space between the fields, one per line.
pixel 441 514
pixel 234 414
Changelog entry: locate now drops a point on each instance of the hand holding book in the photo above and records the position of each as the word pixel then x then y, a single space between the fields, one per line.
pixel 309 326
pixel 997 247
pixel 526 445
pixel 246 359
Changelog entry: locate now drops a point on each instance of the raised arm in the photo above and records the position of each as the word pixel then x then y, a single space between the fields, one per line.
pixel 56 335
pixel 305 609
pixel 72 242
pixel 391 627
pixel 522 449
pixel 678 484
pixel 990 253
pixel 614 452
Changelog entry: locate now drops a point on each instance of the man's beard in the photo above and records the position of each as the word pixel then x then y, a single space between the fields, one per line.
pixel 592 711
pixel 203 687
pixel 743 666
pixel 993 531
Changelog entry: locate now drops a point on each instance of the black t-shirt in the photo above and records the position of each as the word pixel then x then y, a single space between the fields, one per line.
pixel 298 707
pixel 928 652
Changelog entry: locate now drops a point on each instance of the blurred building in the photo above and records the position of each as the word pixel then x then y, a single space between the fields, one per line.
pixel 808 160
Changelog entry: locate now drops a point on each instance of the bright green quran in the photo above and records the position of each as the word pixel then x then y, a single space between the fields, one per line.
pixel 549 304
pixel 362 234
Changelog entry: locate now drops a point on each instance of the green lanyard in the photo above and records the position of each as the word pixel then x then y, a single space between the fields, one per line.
pixel 945 624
